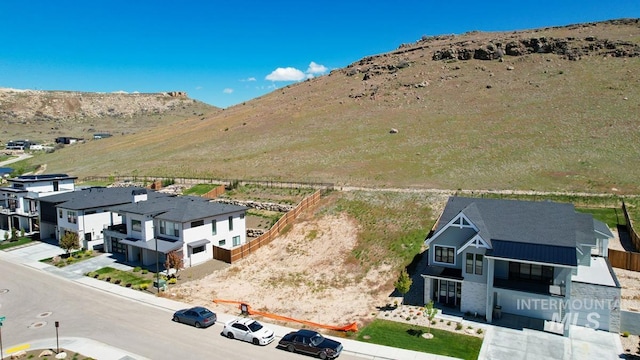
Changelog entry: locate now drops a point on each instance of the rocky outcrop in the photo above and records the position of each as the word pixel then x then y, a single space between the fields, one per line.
pixel 571 48
pixel 257 205
pixel 36 105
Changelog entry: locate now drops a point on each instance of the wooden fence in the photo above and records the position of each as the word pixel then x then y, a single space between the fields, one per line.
pixel 635 239
pixel 214 193
pixel 245 250
pixel 627 260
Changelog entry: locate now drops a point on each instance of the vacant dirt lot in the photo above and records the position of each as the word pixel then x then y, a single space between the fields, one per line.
pixel 302 274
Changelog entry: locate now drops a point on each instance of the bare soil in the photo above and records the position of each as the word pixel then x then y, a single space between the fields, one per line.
pixel 303 274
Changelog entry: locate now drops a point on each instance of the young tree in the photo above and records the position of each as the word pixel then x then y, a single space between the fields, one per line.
pixel 70 241
pixel 403 284
pixel 430 312
pixel 174 261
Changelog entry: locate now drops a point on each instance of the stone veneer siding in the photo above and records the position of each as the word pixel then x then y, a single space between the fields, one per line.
pixel 427 289
pixel 592 292
pixel 474 298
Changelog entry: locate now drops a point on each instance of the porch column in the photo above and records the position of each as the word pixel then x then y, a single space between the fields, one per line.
pixel 427 289
pixel 490 270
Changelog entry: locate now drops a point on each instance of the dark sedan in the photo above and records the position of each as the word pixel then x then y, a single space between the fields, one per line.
pixel 312 343
pixel 198 316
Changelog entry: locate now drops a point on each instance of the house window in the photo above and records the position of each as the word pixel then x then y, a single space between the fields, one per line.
pixel 236 240
pixel 479 262
pixel 136 225
pixel 197 223
pixel 198 249
pixel 72 217
pixel 60 213
pixel 222 242
pixel 230 223
pixel 469 264
pixel 533 272
pixel 445 254
pixel 242 216
pixel 474 264
pixel 213 227
pixel 169 228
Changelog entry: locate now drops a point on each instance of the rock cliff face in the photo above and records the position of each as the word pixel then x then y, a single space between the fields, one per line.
pixel 34 105
pixel 44 115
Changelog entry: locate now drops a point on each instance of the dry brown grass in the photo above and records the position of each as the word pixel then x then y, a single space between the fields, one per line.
pixel 547 124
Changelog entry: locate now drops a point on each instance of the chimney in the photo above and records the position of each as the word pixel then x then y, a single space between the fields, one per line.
pixel 139 195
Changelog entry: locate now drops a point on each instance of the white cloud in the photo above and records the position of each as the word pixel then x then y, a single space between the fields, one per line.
pixel 249 79
pixel 198 87
pixel 316 68
pixel 286 74
pixel 227 91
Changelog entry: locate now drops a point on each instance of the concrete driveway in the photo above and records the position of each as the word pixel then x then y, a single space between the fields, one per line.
pixel 582 343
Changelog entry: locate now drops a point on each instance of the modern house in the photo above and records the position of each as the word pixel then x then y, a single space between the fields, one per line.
pixel 18 145
pixel 85 212
pixel 152 228
pixel 19 200
pixel 541 260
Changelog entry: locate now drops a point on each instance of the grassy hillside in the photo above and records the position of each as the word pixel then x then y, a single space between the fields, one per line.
pixel 561 117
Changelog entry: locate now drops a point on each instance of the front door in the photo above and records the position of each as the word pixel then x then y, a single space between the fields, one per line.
pixel 449 292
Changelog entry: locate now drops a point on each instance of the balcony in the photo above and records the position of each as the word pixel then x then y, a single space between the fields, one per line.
pixel 542 288
pixel 120 228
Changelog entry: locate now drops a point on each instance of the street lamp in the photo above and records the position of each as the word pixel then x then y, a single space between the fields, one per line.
pixel 157 268
pixel 57 342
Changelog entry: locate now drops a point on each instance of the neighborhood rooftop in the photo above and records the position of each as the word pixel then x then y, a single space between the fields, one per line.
pixel 179 209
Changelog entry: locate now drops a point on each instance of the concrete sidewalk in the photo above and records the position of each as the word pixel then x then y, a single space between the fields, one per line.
pixel 28 257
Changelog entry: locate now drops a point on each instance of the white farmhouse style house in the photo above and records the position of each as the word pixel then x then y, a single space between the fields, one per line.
pixel 538 259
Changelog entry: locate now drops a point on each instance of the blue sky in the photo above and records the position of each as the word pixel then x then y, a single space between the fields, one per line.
pixel 227 52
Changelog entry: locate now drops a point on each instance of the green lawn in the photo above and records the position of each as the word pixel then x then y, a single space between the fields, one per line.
pixel 406 336
pixel 136 279
pixel 610 216
pixel 9 244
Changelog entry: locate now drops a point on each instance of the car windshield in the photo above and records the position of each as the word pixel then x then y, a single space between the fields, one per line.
pixel 316 339
pixel 205 313
pixel 255 326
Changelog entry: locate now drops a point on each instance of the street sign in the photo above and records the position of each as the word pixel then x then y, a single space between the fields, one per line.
pixel 2 318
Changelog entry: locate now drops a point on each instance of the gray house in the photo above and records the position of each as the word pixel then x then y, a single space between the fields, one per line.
pixel 542 260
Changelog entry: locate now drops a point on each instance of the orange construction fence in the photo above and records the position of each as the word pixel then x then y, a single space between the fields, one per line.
pixel 244 307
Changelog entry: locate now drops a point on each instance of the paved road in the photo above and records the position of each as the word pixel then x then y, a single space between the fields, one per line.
pixel 32 300
pixel 16 159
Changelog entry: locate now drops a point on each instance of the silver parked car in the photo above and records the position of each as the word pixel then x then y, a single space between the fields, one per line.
pixel 198 316
pixel 248 330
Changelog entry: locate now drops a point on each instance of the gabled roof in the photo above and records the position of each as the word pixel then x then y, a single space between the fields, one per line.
pixel 536 231
pixel 97 197
pixel 535 222
pixel 179 209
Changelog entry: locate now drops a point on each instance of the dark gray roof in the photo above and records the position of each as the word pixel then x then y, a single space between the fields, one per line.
pixel 559 255
pixel 97 197
pixel 535 222
pixel 540 231
pixel 179 209
pixel 35 178
pixel 601 227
